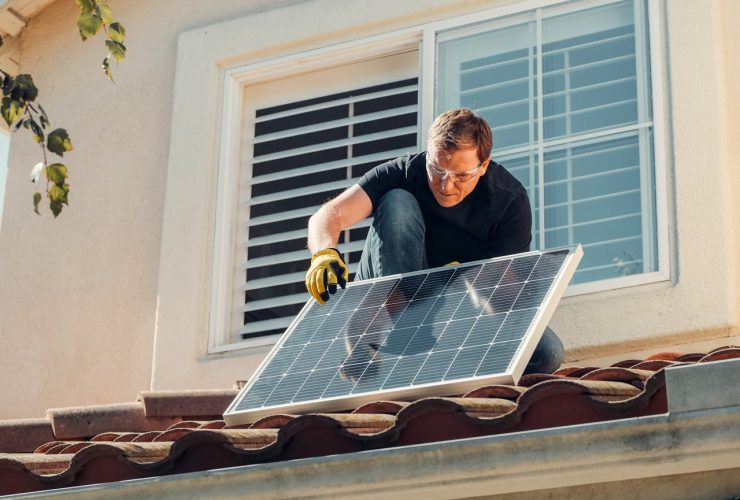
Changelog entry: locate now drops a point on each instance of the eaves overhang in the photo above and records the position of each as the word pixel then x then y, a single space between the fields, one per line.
pixel 700 433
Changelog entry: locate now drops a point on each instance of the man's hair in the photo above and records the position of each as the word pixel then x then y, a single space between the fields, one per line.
pixel 461 129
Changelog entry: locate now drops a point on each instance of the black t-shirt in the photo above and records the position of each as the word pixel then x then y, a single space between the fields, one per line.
pixel 495 219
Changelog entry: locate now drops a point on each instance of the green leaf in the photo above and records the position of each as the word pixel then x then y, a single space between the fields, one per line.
pixel 11 110
pixel 58 141
pixel 17 125
pixel 104 12
pixel 59 193
pixel 106 68
pixel 117 49
pixel 56 208
pixel 89 24
pixel 117 32
pixel 24 88
pixel 8 82
pixel 38 134
pixel 86 6
pixel 36 201
pixel 57 173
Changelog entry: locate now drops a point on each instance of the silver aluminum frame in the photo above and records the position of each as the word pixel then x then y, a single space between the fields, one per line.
pixel 512 374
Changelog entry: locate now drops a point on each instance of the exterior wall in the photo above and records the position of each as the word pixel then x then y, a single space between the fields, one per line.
pixel 78 294
pixel 698 303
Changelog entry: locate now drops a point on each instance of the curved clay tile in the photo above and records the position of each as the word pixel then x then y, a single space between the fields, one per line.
pixel 581 371
pixel 654 365
pixel 213 424
pixel 719 354
pixel 627 363
pixel 535 378
pixel 44 448
pixel 665 356
pixel 147 437
pixel 107 436
pixel 511 392
pixel 172 434
pixel 566 371
pixel 723 348
pixel 691 357
pixel 269 422
pixel 386 407
pixel 618 374
pixel 185 424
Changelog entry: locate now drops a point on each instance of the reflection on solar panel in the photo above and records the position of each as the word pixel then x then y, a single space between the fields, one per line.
pixel 437 332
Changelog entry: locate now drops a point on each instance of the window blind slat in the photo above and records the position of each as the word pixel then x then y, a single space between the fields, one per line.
pixel 330 165
pixel 292 235
pixel 282 279
pixel 287 153
pixel 285 300
pixel 297 255
pixel 292 193
pixel 346 100
pixel 265 325
pixel 336 123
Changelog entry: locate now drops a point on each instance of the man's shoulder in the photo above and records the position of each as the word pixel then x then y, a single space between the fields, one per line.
pixel 500 179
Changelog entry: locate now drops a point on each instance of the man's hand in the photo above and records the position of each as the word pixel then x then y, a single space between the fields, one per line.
pixel 326 272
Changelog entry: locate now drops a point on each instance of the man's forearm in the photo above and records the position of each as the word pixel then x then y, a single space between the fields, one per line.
pixel 323 229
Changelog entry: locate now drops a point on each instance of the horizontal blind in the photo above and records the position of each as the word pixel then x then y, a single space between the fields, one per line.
pixel 305 153
pixel 596 127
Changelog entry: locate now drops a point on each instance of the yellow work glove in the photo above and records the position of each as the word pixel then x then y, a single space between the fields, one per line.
pixel 326 272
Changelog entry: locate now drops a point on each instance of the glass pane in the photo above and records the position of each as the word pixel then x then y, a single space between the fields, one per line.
pixel 492 72
pixel 597 194
pixel 590 77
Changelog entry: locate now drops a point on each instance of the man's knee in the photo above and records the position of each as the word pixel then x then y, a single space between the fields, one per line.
pixel 399 210
pixel 548 355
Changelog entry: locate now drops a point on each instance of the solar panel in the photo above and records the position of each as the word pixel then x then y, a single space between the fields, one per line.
pixel 435 332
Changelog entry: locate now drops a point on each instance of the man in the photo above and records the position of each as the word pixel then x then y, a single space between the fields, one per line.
pixel 450 204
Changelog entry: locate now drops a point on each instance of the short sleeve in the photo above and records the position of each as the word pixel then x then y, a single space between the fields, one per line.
pixel 386 176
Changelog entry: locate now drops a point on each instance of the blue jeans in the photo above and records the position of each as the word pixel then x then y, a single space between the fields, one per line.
pixel 395 244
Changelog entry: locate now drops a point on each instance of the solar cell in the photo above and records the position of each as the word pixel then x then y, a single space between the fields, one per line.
pixel 435 332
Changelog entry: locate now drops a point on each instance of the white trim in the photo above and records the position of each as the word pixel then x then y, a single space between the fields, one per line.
pixel 540 184
pixel 225 220
pixel 427 83
pixel 615 283
pixel 326 57
pixel 658 91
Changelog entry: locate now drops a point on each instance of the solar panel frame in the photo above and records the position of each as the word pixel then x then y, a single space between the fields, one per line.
pixel 413 364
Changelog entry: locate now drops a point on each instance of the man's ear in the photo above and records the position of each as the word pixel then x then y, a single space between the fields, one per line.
pixel 484 166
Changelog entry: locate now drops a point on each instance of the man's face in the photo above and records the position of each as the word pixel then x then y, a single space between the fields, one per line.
pixel 453 175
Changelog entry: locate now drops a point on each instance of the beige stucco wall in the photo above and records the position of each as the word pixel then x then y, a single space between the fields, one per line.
pixel 82 297
pixel 78 294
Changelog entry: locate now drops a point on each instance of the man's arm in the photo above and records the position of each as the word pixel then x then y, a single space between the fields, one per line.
pixel 327 267
pixel 335 216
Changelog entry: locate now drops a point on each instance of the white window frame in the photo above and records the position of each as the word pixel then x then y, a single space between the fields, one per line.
pixel 222 317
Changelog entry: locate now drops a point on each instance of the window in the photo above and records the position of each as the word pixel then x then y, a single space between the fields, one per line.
pixel 567 89
pixel 584 150
pixel 306 145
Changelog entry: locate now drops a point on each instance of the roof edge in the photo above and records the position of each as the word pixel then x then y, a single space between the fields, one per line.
pixel 636 448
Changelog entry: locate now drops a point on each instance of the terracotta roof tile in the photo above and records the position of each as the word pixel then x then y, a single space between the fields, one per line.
pixel 188 403
pixel 148 438
pixel 87 421
pixel 24 435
